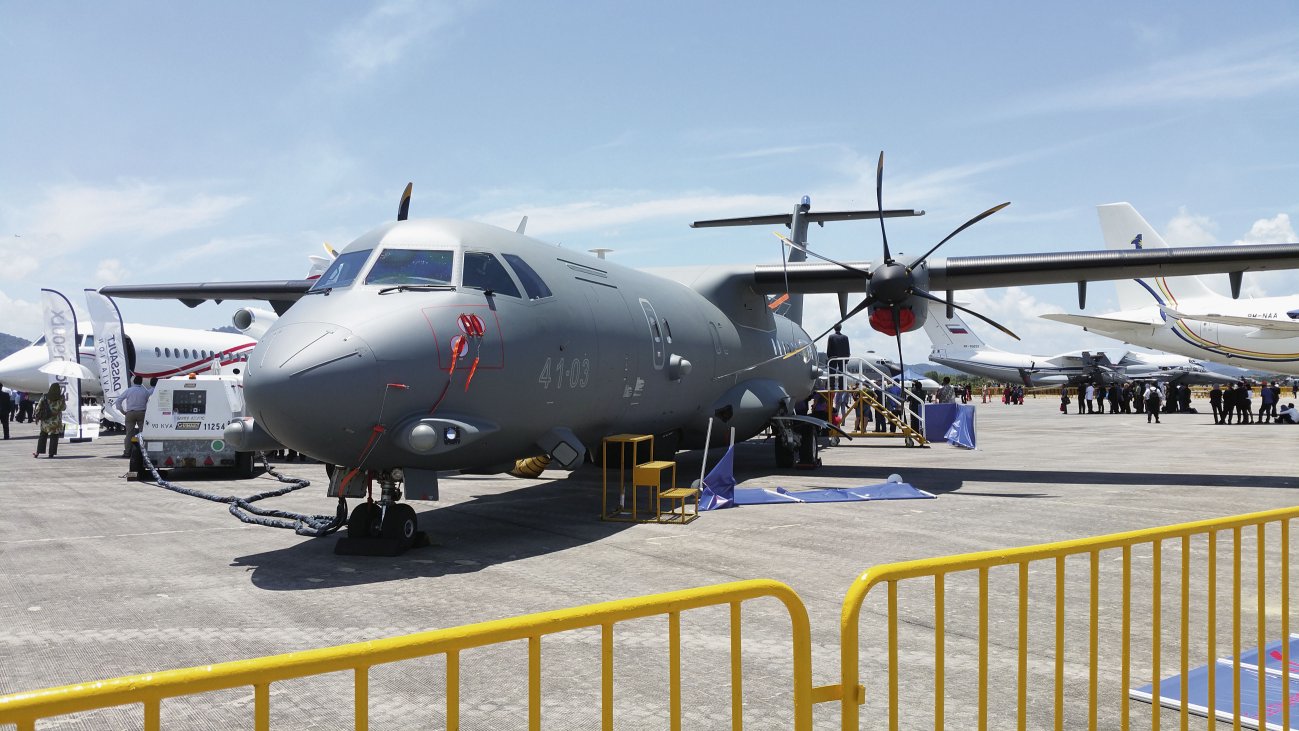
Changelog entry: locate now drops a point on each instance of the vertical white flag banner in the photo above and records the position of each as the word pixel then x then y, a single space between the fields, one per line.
pixel 61 340
pixel 110 348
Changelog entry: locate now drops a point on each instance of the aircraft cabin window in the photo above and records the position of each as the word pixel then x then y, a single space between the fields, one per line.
pixel 157 352
pixel 484 271
pixel 411 266
pixel 186 351
pixel 533 284
pixel 343 271
pixel 167 351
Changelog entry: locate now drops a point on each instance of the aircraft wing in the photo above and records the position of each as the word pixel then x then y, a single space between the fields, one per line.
pixel 1283 328
pixel 280 294
pixel 1099 324
pixel 1009 270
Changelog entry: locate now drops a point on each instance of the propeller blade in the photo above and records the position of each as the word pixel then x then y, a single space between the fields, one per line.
pixel 403 208
pixel 964 226
pixel 843 304
pixel 879 201
pixel 966 310
pixel 794 245
pixel 897 333
pixel 866 302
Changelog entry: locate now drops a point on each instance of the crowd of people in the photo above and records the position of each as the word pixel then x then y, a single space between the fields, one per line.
pixel 1234 404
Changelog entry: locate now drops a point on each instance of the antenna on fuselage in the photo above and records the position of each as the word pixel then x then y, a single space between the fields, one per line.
pixel 403 208
pixel 600 252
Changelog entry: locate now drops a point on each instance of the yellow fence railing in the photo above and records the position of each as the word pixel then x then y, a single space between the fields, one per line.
pixel 24 709
pixel 1052 557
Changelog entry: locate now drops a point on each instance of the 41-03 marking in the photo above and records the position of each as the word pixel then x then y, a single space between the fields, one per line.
pixel 574 372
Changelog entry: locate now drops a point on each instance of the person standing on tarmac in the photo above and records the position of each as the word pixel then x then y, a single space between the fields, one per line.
pixel 49 412
pixel 1152 397
pixel 1215 402
pixel 6 409
pixel 132 404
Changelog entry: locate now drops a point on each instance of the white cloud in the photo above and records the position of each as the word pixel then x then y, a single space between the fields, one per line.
pixel 1276 230
pixel 1188 229
pixel 590 215
pixel 388 31
pixel 70 217
pixel 20 317
pixel 1254 68
pixel 18 267
pixel 110 271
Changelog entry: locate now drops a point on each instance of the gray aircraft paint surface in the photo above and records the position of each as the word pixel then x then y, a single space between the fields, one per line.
pixel 360 374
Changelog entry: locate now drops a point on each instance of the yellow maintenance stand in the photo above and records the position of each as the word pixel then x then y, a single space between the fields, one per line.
pixel 658 477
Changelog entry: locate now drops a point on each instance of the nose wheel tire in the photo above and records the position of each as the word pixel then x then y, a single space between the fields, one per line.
pixel 400 523
pixel 364 521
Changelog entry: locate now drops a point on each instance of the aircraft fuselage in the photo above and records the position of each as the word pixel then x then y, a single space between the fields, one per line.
pixel 505 347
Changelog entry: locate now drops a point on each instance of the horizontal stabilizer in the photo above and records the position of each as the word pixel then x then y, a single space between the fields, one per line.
pixel 811 217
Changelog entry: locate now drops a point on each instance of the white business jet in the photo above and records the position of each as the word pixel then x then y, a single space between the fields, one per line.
pixel 153 351
pixel 1182 315
pixel 956 346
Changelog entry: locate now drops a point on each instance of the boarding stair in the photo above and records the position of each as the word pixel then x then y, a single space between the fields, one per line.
pixel 864 385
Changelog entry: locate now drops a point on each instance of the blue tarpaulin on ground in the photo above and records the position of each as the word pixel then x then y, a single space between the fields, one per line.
pixel 884 491
pixel 1197 685
pixel 951 423
pixel 718 488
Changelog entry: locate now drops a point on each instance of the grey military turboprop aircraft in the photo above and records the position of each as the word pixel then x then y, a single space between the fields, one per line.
pixel 442 344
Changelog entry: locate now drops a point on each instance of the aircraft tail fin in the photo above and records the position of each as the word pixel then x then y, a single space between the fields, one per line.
pixel 1124 229
pixel 950 333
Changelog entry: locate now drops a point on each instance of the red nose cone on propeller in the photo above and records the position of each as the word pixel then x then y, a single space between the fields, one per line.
pixel 882 320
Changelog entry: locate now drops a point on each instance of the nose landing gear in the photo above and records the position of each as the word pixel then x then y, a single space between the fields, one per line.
pixel 382 528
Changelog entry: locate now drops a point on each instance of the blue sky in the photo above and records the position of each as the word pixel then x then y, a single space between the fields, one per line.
pixel 175 142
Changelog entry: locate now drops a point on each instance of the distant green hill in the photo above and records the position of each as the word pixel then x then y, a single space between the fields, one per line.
pixel 11 344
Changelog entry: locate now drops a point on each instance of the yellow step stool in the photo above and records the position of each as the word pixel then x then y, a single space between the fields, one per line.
pixel 678 498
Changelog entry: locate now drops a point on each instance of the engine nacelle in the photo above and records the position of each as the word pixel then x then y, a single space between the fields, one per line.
pixel 253 322
pixel 246 436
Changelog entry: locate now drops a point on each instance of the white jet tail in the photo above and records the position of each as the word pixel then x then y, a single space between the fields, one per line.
pixel 950 334
pixel 1124 229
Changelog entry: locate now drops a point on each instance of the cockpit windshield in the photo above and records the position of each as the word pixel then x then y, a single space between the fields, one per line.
pixel 411 267
pixel 343 271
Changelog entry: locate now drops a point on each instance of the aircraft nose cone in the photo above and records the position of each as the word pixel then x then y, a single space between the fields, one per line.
pixel 311 385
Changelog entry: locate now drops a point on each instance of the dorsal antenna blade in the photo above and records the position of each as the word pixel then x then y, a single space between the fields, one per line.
pixel 403 208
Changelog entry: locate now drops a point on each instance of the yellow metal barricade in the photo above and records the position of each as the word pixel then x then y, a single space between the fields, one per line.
pixel 1052 557
pixel 24 709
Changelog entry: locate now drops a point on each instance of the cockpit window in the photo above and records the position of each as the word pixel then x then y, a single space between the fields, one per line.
pixel 343 271
pixel 411 266
pixel 532 282
pixel 90 341
pixel 39 341
pixel 484 271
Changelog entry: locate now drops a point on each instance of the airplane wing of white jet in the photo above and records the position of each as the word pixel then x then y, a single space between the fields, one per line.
pixel 1100 324
pixel 1265 328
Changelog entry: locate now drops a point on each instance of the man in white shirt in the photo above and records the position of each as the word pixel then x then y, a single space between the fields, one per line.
pixel 132 404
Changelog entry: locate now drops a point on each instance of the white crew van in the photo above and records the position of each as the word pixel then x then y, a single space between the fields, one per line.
pixel 185 421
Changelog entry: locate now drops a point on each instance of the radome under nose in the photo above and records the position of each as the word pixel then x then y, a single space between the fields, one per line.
pixel 313 386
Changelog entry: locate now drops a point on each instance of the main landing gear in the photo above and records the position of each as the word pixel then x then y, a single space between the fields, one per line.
pixel 384 527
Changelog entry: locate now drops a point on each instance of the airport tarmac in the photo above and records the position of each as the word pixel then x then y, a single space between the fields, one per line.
pixel 101 575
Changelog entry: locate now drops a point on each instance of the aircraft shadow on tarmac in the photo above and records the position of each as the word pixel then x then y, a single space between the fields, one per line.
pixel 949 480
pixel 467 537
